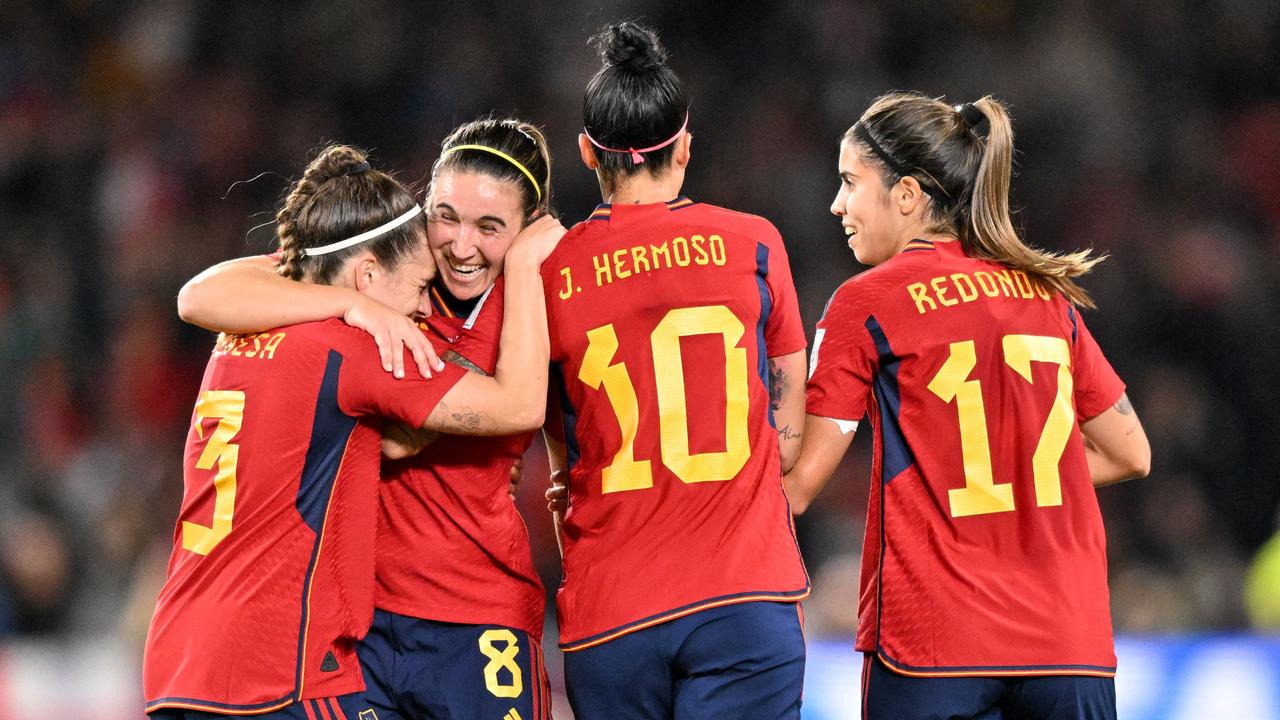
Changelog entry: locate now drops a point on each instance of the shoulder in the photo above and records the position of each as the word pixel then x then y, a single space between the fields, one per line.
pixel 735 220
pixel 573 238
pixel 864 292
pixel 336 335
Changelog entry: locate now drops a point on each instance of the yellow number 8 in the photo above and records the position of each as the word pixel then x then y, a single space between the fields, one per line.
pixel 504 659
pixel 228 407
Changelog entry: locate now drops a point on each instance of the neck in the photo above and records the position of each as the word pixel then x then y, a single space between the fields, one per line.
pixel 643 188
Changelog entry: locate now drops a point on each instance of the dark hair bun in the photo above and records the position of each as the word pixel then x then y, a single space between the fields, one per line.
pixel 334 162
pixel 631 48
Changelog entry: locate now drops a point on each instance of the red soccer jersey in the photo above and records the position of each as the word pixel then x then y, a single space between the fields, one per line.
pixel 270 583
pixel 662 318
pixel 452 546
pixel 984 551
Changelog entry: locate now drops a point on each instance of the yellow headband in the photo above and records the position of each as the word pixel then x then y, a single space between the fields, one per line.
pixel 536 187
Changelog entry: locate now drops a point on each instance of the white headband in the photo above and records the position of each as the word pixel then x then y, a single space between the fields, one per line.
pixel 356 240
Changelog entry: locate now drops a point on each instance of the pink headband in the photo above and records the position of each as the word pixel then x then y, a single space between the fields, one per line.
pixel 636 157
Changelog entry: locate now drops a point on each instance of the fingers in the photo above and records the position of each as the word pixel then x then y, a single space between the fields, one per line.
pixel 384 342
pixel 516 473
pixel 424 355
pixel 557 498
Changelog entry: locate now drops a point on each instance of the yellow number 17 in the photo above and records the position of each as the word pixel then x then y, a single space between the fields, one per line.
pixel 981 494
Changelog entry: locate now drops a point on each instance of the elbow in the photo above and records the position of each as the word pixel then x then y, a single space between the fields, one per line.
pixel 187 303
pixel 531 417
pixel 192 305
pixel 798 506
pixel 1139 460
pixel 798 501
pixel 1140 465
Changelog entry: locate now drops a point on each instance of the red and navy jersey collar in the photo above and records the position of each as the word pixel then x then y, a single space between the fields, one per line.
pixel 918 245
pixel 604 211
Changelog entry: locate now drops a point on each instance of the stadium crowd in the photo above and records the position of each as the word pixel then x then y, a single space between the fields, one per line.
pixel 1151 130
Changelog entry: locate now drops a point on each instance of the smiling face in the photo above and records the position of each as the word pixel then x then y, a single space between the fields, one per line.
pixel 875 226
pixel 473 219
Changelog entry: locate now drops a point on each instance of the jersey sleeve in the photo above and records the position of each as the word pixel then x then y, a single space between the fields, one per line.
pixel 842 363
pixel 1097 386
pixel 364 388
pixel 784 330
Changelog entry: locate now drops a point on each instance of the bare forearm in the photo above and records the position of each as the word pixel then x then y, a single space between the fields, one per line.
pixel 826 441
pixel 246 295
pixel 525 349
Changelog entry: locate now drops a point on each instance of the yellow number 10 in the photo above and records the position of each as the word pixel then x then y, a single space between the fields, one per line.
pixel 627 473
pixel 981 494
pixel 228 407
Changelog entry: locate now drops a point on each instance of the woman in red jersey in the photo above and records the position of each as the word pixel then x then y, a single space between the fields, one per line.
pixel 460 607
pixel 677 352
pixel 271 580
pixel 984 580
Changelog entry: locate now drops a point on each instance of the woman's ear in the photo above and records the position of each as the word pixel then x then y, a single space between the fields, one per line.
pixel 365 271
pixel 587 152
pixel 908 196
pixel 682 150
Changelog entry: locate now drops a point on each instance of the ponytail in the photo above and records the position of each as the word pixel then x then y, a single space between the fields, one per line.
pixel 963 159
pixel 991 234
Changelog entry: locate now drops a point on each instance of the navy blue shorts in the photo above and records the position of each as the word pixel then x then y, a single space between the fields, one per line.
pixel 417 668
pixel 342 707
pixel 743 661
pixel 886 695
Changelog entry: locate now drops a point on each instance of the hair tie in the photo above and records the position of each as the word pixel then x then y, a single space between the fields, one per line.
pixel 637 158
pixel 973 117
pixel 493 151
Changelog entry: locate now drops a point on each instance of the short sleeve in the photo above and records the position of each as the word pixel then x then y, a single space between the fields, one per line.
pixel 366 389
pixel 1097 386
pixel 843 359
pixel 784 330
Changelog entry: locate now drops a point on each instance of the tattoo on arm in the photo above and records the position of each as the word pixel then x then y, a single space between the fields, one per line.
pixel 1123 406
pixel 777 384
pixel 786 433
pixel 452 357
pixel 460 420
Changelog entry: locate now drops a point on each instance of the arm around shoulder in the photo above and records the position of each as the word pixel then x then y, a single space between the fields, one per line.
pixel 515 398
pixel 246 295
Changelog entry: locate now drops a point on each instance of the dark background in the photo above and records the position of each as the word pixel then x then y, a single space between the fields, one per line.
pixel 1147 131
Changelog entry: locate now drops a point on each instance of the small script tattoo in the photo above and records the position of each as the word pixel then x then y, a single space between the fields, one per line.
pixel 786 433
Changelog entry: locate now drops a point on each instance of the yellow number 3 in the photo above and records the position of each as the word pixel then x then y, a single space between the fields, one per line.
pixel 504 659
pixel 228 407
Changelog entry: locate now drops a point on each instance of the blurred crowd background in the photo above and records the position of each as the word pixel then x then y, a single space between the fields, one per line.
pixel 1148 131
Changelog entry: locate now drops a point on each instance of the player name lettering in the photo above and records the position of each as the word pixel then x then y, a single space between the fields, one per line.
pixel 261 345
pixel 628 261
pixel 957 288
